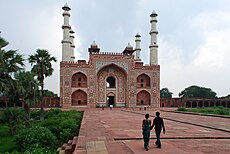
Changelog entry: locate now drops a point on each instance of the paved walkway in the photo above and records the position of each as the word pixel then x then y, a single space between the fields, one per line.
pixel 118 131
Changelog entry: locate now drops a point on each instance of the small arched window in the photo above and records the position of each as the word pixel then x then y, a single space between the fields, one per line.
pixel 111 82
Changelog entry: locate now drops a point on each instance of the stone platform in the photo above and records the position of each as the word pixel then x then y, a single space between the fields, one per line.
pixel 118 131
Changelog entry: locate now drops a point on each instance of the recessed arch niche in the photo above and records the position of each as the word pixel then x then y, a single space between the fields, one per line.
pixel 79 97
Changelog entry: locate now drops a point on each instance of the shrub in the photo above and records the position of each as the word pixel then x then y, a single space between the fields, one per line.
pixel 34 114
pixel 65 135
pixel 12 117
pixel 52 112
pixel 37 150
pixel 53 124
pixel 222 110
pixel 63 124
pixel 181 108
pixel 35 137
pixel 68 129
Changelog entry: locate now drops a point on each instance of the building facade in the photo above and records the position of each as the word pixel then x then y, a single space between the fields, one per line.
pixel 109 78
pixel 195 102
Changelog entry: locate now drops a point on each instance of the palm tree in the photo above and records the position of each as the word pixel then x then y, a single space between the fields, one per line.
pixel 30 94
pixel 42 67
pixel 10 62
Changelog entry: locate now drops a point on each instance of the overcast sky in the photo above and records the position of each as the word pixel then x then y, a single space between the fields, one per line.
pixel 194 36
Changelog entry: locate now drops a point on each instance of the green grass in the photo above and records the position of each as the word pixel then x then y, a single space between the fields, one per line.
pixel 220 110
pixel 7 143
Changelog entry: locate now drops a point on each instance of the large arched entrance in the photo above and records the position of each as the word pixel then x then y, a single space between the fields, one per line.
pixel 111 86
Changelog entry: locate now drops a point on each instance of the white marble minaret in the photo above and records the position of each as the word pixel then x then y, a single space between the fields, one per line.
pixel 138 47
pixel 72 46
pixel 66 42
pixel 153 44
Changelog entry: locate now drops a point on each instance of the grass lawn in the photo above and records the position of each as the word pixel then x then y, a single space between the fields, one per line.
pixel 220 110
pixel 7 143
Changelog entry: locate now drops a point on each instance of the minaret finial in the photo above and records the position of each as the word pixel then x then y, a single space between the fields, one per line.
pixel 66 7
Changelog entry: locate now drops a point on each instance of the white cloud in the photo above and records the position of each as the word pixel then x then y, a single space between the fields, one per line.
pixel 212 20
pixel 169 53
pixel 214 27
pixel 209 61
pixel 214 52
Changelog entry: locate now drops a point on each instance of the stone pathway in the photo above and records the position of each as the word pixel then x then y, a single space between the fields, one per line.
pixel 118 131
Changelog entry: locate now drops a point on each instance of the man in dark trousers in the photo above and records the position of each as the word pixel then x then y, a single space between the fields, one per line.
pixel 159 124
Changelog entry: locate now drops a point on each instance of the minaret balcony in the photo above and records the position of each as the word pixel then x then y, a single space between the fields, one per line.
pixel 153 32
pixel 66 26
pixel 153 45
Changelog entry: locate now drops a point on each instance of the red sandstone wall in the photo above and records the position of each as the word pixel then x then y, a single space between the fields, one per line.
pixel 126 91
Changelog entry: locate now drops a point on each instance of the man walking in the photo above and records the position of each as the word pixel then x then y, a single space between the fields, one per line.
pixel 159 124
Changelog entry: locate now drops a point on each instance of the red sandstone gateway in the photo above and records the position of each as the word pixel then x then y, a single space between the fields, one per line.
pixel 109 78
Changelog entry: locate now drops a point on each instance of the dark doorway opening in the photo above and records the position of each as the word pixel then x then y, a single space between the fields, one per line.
pixel 110 100
pixel 111 82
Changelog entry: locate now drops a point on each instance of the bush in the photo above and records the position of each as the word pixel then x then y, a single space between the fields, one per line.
pixel 53 124
pixel 12 117
pixel 39 139
pixel 64 125
pixel 52 113
pixel 35 137
pixel 181 108
pixel 222 110
pixel 34 114
pixel 37 150
pixel 68 129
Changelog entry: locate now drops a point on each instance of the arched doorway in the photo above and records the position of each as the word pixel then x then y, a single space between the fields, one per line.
pixel 111 99
pixel 143 98
pixel 188 104
pixel 111 86
pixel 79 98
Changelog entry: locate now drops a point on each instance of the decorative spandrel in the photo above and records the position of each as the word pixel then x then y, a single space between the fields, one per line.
pixel 101 64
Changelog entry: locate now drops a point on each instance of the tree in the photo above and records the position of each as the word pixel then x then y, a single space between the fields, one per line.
pixel 228 96
pixel 30 86
pixel 197 92
pixel 10 62
pixel 30 93
pixel 42 67
pixel 48 93
pixel 165 93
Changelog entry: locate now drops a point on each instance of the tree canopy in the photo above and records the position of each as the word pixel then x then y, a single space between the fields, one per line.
pixel 165 93
pixel 197 92
pixel 48 93
pixel 10 62
pixel 30 87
